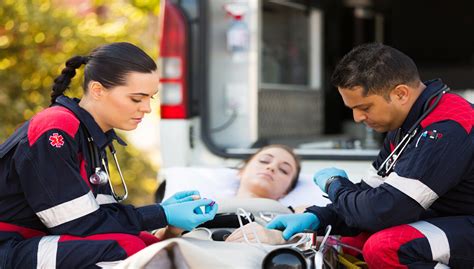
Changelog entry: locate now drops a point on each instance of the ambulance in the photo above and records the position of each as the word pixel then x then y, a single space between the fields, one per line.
pixel 241 74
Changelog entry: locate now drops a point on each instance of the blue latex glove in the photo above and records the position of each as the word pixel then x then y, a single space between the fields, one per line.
pixel 179 197
pixel 322 176
pixel 188 215
pixel 294 223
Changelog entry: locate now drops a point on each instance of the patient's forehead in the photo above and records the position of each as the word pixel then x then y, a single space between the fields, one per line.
pixel 279 154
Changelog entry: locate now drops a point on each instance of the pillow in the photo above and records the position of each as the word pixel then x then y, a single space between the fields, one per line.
pixel 221 183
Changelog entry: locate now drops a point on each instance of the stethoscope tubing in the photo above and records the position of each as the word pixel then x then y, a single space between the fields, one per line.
pixel 385 169
pixel 117 197
pixel 94 152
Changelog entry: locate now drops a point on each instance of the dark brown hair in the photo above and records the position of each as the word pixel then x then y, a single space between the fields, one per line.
pixel 108 64
pixel 287 149
pixel 375 67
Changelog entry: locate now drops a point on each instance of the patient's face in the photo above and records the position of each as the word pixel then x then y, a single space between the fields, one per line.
pixel 268 174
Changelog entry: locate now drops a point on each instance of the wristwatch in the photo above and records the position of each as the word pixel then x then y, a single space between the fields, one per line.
pixel 329 181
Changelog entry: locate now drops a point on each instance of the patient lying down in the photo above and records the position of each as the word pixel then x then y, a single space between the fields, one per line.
pixel 272 172
pixel 250 214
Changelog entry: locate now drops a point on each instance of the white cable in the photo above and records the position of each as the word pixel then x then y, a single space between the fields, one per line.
pixel 246 214
pixel 204 229
pixel 319 256
pixel 318 260
pixel 267 216
pixel 303 237
pixel 325 238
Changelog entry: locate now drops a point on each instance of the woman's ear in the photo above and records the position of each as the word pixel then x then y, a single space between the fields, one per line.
pixel 96 90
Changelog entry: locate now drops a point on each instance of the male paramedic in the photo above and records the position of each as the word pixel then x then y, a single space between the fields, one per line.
pixel 417 201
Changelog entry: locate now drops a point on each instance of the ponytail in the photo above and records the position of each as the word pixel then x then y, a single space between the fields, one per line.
pixel 107 64
pixel 61 83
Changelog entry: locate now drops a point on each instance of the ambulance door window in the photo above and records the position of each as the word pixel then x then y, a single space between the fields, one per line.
pixel 284 44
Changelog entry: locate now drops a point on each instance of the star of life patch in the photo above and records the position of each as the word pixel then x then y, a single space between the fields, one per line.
pixel 56 140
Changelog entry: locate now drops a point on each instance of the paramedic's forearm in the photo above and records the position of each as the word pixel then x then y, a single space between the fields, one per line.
pixel 328 216
pixel 372 209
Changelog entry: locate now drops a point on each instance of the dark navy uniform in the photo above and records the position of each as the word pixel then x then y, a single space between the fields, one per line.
pixel 50 214
pixel 427 199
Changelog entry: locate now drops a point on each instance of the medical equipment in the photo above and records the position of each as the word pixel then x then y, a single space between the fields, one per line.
pixel 291 258
pixel 240 219
pixel 226 220
pixel 211 235
pixel 294 257
pixel 287 255
pixel 220 235
pixel 389 163
pixel 100 177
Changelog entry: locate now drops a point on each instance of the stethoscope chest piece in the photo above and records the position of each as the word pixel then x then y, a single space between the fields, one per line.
pixel 101 173
pixel 99 177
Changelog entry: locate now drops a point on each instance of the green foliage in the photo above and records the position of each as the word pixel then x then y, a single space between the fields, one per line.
pixel 36 39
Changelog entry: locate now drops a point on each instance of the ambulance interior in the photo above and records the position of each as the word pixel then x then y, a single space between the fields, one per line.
pixel 276 87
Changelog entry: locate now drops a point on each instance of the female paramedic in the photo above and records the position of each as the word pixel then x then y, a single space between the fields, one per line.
pixel 57 209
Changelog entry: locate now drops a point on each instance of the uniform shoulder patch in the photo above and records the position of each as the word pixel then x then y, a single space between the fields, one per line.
pixel 53 118
pixel 56 140
pixel 452 107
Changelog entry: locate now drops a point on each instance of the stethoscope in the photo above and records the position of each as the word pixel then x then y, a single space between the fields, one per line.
pixel 101 177
pixel 389 163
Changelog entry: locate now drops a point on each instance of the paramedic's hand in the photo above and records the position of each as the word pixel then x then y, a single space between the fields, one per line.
pixel 188 215
pixel 182 196
pixel 292 224
pixel 322 176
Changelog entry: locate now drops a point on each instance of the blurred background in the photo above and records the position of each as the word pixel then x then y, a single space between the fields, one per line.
pixel 36 39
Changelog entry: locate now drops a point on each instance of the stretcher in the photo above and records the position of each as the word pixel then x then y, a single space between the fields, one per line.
pixel 199 249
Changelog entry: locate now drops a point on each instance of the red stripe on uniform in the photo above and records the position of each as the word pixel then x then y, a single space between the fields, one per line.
pixel 392 147
pixel 130 243
pixel 82 169
pixel 354 241
pixel 26 233
pixel 452 107
pixel 148 238
pixel 380 250
pixel 52 118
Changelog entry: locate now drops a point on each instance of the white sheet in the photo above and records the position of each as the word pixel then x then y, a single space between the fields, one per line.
pixel 219 183
pixel 191 253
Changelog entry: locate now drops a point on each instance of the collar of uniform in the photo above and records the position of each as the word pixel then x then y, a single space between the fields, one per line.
pixel 112 135
pixel 100 138
pixel 432 86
